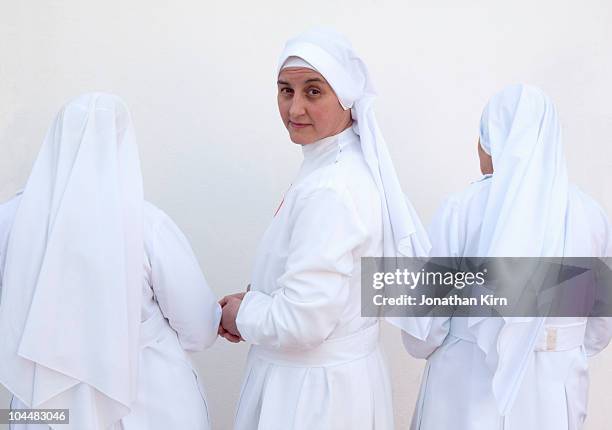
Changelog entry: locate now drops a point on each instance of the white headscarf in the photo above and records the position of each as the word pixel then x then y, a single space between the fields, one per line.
pixel 525 212
pixel 525 215
pixel 332 55
pixel 70 314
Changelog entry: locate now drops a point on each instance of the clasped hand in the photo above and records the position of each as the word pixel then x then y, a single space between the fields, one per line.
pixel 227 327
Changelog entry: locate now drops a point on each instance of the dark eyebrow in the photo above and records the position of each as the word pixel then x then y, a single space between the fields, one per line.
pixel 307 81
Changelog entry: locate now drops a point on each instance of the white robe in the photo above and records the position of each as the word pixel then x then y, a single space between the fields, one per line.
pixel 456 389
pixel 179 313
pixel 316 363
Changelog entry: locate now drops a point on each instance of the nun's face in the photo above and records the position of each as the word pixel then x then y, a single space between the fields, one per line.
pixel 308 106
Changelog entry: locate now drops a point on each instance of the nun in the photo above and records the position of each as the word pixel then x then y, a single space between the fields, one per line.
pixel 315 362
pixel 513 373
pixel 102 296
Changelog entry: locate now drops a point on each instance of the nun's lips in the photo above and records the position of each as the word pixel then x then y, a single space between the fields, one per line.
pixel 298 125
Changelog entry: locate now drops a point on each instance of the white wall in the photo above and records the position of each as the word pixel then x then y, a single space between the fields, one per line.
pixel 199 77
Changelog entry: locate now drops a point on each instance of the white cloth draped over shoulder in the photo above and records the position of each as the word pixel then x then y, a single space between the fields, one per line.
pixel 528 197
pixel 79 280
pixel 315 362
pixel 495 373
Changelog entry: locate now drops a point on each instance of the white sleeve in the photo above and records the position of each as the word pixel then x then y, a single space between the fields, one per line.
pixel 599 329
pixel 314 287
pixel 183 294
pixel 444 235
pixel 598 335
pixel 423 348
pixel 2 259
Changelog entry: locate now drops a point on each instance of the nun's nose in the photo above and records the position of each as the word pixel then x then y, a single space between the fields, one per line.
pixel 298 106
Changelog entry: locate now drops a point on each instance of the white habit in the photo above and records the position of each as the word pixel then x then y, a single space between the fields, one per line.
pixel 177 311
pixel 498 373
pixel 315 362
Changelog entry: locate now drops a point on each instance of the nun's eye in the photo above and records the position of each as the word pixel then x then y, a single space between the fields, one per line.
pixel 286 91
pixel 313 92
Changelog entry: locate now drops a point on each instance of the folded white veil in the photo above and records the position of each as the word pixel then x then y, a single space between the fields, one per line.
pixel 70 313
pixel 525 214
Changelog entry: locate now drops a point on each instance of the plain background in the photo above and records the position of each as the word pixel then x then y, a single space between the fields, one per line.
pixel 199 77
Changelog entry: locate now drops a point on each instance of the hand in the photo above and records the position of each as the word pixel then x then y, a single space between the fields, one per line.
pixel 227 335
pixel 227 328
pixel 240 296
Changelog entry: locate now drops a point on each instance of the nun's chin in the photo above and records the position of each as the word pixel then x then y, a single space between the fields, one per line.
pixel 302 141
pixel 301 138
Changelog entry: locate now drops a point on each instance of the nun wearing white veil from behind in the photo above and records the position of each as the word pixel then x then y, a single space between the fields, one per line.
pixel 101 294
pixel 486 373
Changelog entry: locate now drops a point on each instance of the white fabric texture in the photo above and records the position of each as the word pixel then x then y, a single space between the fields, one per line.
pixel 526 208
pixel 72 276
pixel 298 62
pixel 316 363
